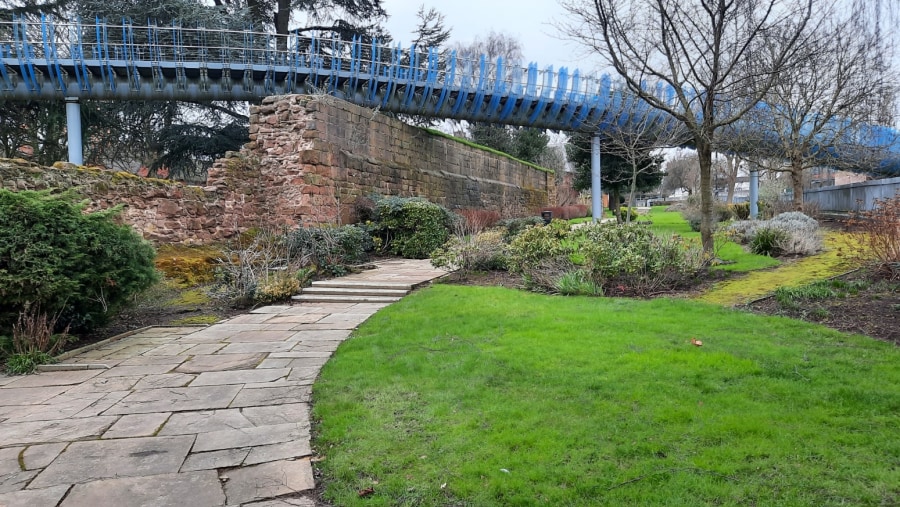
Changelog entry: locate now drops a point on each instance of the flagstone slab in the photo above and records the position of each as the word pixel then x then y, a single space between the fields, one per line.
pixel 137 425
pixel 103 404
pixel 268 480
pixel 105 459
pixel 56 378
pixel 274 452
pixel 296 413
pixel 176 399
pixel 303 318
pixel 62 430
pixel 320 346
pixel 252 436
pixel 225 458
pixel 142 369
pixel 147 360
pixel 240 376
pixel 255 336
pixel 164 380
pixel 304 375
pixel 250 318
pixel 298 354
pixel 272 309
pixel 283 502
pixel 322 335
pixel 205 421
pixel 193 489
pixel 41 455
pixel 260 347
pixel 204 348
pixel 169 349
pixel 271 396
pixel 106 384
pixel 48 497
pixel 16 480
pixel 9 460
pixel 59 407
pixel 220 362
pixel 28 395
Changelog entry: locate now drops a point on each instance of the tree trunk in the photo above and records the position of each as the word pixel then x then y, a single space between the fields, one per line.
pixel 734 163
pixel 614 205
pixel 634 173
pixel 704 156
pixel 797 183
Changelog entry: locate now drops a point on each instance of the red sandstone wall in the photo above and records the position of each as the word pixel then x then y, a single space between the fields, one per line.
pixel 308 160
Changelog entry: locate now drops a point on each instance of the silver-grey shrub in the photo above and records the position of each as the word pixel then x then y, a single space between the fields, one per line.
pixel 802 235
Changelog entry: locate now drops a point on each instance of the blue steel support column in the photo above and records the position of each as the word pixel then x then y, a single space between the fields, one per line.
pixel 596 194
pixel 754 194
pixel 73 126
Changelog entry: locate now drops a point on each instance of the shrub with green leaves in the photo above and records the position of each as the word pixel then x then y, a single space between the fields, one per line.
pixel 331 249
pixel 515 226
pixel 538 244
pixel 635 257
pixel 82 266
pixel 412 227
pixel 485 251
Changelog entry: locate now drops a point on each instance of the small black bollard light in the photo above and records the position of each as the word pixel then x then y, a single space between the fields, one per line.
pixel 547 216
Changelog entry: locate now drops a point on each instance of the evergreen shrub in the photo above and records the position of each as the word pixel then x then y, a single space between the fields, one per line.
pixel 80 266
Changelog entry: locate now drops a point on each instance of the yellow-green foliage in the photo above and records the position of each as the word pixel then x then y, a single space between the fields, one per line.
pixel 188 265
pixel 829 263
pixel 278 287
pixel 196 320
pixel 188 298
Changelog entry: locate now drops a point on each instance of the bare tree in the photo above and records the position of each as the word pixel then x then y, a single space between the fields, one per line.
pixel 682 173
pixel 818 107
pixel 694 47
pixel 633 135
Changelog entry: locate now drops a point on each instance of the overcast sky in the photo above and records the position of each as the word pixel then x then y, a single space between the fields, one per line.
pixel 529 21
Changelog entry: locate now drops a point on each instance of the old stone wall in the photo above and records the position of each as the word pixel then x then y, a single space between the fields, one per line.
pixel 308 161
pixel 317 155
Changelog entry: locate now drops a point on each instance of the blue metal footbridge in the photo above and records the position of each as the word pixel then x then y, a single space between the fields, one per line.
pixel 72 61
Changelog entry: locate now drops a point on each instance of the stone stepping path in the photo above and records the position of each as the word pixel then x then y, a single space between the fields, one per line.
pixel 180 416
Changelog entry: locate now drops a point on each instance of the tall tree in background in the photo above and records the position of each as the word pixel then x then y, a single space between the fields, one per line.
pixel 525 143
pixel 638 172
pixel 818 105
pixel 344 18
pixel 430 32
pixel 695 47
pixel 682 173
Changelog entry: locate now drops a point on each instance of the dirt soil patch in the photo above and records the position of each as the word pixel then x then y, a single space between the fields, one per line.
pixel 873 309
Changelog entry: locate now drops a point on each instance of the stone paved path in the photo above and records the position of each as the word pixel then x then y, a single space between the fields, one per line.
pixel 181 416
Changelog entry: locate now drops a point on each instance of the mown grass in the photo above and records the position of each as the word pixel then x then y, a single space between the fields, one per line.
pixel 488 396
pixel 738 259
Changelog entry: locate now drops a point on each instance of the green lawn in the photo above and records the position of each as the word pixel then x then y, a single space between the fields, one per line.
pixel 740 260
pixel 488 396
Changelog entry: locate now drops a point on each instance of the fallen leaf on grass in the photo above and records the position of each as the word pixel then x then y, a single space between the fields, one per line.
pixel 366 492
